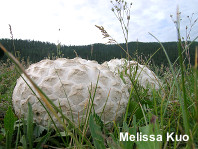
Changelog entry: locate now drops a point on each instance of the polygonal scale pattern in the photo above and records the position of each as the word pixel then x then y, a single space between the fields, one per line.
pixel 144 76
pixel 68 83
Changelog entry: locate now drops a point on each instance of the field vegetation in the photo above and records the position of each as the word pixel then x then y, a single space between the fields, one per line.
pixel 173 108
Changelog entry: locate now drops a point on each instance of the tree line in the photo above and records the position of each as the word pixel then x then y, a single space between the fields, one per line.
pixel 35 51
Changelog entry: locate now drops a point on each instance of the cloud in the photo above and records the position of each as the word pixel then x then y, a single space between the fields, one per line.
pixel 154 16
pixel 42 19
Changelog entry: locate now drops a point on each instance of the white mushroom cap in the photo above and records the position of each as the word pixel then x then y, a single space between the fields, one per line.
pixel 67 83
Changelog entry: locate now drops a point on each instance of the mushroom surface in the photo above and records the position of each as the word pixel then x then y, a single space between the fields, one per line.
pixel 70 83
pixel 145 77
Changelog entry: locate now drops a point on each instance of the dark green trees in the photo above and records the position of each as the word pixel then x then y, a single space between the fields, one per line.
pixel 36 50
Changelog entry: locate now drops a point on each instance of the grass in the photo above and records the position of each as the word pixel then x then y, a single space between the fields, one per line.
pixel 173 108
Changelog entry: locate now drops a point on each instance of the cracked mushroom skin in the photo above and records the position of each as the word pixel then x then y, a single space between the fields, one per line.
pixel 145 76
pixel 68 83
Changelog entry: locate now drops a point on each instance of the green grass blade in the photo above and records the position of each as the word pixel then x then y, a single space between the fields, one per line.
pixel 9 121
pixel 24 142
pixel 184 101
pixel 30 126
pixel 18 134
pixel 43 140
pixel 195 83
pixel 181 100
pixel 96 134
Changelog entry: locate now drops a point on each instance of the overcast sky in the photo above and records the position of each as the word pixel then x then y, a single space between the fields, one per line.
pixel 76 19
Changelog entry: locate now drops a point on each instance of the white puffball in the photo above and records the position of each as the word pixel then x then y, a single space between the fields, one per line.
pixel 142 73
pixel 67 83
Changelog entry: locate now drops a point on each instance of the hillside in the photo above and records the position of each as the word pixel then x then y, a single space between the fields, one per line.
pixel 36 50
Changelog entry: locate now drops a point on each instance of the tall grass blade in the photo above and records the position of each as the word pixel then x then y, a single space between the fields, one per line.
pixel 96 134
pixel 196 78
pixel 9 121
pixel 18 134
pixel 24 142
pixel 90 106
pixel 183 100
pixel 30 126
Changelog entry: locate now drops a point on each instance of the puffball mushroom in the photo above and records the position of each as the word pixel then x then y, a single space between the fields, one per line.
pixel 145 76
pixel 68 83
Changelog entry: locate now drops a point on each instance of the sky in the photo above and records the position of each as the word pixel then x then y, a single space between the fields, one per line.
pixel 72 22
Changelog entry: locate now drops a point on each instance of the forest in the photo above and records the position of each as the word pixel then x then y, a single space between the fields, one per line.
pixel 35 51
